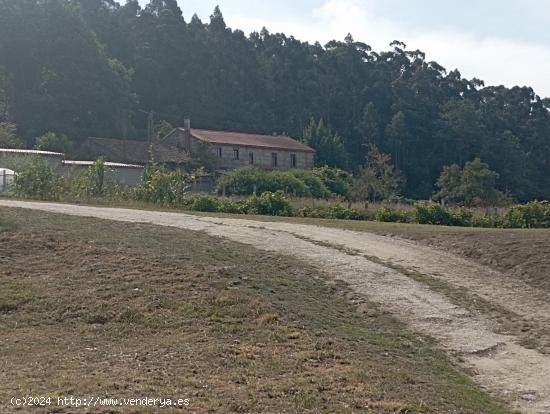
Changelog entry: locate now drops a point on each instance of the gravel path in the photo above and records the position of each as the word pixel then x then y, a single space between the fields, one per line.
pixel 367 263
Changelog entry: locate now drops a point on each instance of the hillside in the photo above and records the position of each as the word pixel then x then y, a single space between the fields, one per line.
pixel 92 68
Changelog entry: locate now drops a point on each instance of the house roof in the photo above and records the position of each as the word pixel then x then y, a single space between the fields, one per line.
pixel 280 142
pixel 135 152
pixel 107 164
pixel 32 152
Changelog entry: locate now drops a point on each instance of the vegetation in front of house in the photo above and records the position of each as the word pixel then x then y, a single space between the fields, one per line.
pixel 172 189
pixel 318 183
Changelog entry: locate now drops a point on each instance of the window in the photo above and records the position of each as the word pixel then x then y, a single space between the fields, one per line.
pixel 235 153
pixel 251 158
pixel 274 160
pixel 220 152
pixel 293 162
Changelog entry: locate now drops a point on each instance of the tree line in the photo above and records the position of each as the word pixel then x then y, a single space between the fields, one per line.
pixel 84 68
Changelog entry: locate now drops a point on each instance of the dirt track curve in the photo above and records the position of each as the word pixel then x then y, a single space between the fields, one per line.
pixel 381 269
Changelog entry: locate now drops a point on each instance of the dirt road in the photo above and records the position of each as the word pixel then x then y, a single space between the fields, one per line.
pixel 467 308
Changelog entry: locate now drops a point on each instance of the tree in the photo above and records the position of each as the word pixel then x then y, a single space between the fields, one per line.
pixel 8 136
pixel 52 142
pixel 449 184
pixel 379 179
pixel 397 135
pixel 477 184
pixel 472 185
pixel 328 145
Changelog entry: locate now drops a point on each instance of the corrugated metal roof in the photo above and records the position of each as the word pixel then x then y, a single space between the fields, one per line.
pixel 33 152
pixel 280 142
pixel 108 164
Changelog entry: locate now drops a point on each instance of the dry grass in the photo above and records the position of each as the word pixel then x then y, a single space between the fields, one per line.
pixel 90 307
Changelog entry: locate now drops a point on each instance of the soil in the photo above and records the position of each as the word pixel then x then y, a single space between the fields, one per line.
pixel 503 341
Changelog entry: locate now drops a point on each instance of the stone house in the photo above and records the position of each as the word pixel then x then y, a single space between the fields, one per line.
pixel 237 149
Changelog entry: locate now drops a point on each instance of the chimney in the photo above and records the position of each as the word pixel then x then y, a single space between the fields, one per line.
pixel 187 134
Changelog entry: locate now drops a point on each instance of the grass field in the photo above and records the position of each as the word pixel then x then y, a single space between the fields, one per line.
pixel 90 307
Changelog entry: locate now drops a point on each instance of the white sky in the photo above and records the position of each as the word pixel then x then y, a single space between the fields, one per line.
pixel 502 42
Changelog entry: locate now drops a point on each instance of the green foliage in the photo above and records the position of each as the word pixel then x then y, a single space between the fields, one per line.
pixel 533 215
pixel 286 182
pixel 425 117
pixel 164 187
pixel 393 215
pixel 8 136
pixel 315 186
pixel 205 204
pixel 37 180
pixel 473 185
pixel 334 211
pixel 268 203
pixel 438 215
pixel 52 142
pixel 336 180
pixel 378 179
pixel 329 145
pixel 90 183
pixel 301 183
pixel 243 181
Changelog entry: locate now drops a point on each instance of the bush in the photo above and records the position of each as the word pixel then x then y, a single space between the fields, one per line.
pixel 315 185
pixel 286 182
pixel 393 215
pixel 337 181
pixel 301 183
pixel 206 204
pixel 268 203
pixel 334 211
pixel 165 187
pixel 37 180
pixel 229 206
pixel 535 214
pixel 243 181
pixel 90 183
pixel 438 215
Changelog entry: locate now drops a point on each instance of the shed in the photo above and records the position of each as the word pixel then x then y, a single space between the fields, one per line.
pixel 129 175
pixel 10 158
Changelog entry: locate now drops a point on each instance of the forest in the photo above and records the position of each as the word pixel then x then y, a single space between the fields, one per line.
pixel 81 68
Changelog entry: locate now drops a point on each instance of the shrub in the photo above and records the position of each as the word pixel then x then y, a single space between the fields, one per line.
pixel 229 206
pixel 243 181
pixel 302 183
pixel 337 181
pixel 535 214
pixel 286 182
pixel 36 179
pixel 90 183
pixel 165 187
pixel 315 185
pixel 268 203
pixel 206 204
pixel 334 211
pixel 53 142
pixel 393 215
pixel 438 215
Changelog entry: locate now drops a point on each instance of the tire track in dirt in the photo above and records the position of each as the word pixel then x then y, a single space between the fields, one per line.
pixel 498 362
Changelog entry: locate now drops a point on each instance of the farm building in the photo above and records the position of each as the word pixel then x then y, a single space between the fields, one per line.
pixel 237 149
pixel 134 152
pixel 10 158
pixel 125 174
